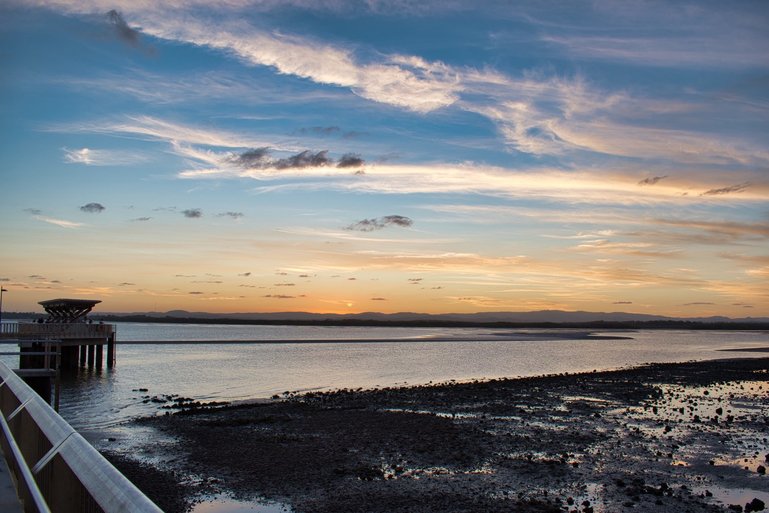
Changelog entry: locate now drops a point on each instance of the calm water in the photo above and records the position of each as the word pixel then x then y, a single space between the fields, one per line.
pixel 233 370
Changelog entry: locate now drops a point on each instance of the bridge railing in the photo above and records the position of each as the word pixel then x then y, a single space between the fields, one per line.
pixel 54 467
pixel 9 328
pixel 56 330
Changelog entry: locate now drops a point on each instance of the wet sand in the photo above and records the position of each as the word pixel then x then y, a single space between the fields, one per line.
pixel 663 437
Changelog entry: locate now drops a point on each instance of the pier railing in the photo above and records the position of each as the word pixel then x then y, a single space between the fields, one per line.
pixel 56 470
pixel 56 330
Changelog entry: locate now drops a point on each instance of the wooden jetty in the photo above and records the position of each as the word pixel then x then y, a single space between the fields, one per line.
pixel 64 340
pixel 80 342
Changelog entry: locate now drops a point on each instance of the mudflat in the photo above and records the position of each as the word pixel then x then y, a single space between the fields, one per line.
pixel 685 437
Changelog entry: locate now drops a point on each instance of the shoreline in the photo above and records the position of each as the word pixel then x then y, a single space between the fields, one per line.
pixel 492 337
pixel 510 336
pixel 748 350
pixel 653 438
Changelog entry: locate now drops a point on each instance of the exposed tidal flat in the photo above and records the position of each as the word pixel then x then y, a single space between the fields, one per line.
pixel 661 437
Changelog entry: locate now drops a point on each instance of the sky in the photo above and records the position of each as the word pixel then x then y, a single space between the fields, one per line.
pixel 425 156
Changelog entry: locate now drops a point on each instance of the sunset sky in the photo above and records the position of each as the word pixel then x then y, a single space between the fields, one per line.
pixel 429 156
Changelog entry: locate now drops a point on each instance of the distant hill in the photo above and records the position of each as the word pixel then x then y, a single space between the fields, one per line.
pixel 528 318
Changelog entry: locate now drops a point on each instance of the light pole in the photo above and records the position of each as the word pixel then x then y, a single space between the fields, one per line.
pixel 1 307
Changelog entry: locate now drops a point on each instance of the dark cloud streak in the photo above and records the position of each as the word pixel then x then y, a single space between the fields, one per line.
pixel 320 130
pixel 369 225
pixel 727 190
pixel 260 158
pixel 122 30
pixel 93 208
pixel 350 160
pixel 192 213
pixel 233 215
pixel 304 159
pixel 652 180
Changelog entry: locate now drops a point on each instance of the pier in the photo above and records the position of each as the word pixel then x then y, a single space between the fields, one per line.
pixel 51 467
pixel 64 340
pixel 79 343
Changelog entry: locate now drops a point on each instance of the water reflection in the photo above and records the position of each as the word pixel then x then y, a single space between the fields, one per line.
pixel 224 504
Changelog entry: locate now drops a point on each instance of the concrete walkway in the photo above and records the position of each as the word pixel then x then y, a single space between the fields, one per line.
pixel 9 501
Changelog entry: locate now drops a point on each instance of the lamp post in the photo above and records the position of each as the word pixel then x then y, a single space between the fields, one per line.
pixel 1 307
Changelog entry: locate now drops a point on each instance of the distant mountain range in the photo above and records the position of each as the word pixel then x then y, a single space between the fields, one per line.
pixel 536 317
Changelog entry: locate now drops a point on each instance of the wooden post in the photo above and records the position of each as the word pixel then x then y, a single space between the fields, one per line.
pixel 57 380
pixel 82 350
pixel 111 351
pixel 99 355
pixel 90 355
pixel 69 355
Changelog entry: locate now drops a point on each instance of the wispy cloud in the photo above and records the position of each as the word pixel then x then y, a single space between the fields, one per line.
pixel 153 128
pixel 575 186
pixel 703 51
pixel 732 229
pixel 92 157
pixel 628 248
pixel 534 113
pixel 751 259
pixel 320 130
pixel 406 82
pixel 59 222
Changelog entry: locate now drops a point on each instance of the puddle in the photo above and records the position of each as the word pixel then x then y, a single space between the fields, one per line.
pixel 727 496
pixel 229 505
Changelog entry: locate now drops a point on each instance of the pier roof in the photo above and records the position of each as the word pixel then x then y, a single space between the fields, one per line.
pixel 68 310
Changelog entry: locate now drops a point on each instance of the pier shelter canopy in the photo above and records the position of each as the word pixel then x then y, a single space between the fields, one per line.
pixel 68 310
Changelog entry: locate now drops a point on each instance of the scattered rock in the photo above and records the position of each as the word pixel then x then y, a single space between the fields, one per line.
pixel 755 505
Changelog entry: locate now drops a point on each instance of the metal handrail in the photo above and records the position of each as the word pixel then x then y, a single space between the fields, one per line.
pixel 26 474
pixel 54 440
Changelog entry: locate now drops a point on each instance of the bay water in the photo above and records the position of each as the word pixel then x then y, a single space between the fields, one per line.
pixel 209 362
